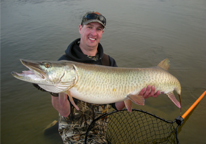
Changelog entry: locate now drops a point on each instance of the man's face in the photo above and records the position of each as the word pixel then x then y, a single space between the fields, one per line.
pixel 91 34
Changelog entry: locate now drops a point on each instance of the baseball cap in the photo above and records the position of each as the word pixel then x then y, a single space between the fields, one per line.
pixel 93 17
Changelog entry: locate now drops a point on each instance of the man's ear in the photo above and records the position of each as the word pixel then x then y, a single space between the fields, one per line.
pixel 80 28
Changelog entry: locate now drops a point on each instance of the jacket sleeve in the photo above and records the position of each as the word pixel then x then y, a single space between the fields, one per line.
pixel 41 89
pixel 64 57
pixel 112 62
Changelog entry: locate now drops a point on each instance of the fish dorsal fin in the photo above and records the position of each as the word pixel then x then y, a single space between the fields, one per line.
pixel 165 64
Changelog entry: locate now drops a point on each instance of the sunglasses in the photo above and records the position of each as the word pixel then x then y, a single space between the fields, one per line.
pixel 94 16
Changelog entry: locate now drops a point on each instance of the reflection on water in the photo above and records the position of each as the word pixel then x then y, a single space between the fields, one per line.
pixel 138 34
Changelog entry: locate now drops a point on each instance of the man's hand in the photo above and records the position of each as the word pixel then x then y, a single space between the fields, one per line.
pixel 61 104
pixel 149 92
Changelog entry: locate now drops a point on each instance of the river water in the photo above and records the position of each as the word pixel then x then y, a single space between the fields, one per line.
pixel 139 33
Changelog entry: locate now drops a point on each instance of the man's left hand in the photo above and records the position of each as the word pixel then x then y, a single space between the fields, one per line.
pixel 149 92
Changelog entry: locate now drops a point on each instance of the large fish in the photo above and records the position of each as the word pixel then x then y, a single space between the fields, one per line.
pixel 100 84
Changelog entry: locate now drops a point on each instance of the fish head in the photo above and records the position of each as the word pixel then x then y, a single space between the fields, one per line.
pixel 48 75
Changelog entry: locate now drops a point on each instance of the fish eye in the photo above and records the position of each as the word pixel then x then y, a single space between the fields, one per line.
pixel 46 64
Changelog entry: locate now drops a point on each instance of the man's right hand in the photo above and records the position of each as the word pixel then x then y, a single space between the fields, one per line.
pixel 61 104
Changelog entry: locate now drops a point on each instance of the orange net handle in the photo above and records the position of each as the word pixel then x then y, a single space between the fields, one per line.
pixel 193 105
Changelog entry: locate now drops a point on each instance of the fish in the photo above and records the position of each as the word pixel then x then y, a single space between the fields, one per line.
pixel 99 84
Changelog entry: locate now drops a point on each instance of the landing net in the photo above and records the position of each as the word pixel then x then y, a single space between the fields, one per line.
pixel 134 127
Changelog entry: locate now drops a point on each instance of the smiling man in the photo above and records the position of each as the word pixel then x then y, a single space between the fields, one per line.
pixel 90 37
pixel 74 121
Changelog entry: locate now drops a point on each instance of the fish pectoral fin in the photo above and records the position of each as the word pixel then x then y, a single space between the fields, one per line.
pixel 173 99
pixel 128 104
pixel 72 100
pixel 137 99
pixel 73 103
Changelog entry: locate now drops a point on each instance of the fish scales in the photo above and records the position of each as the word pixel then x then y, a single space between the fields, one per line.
pixel 103 82
pixel 116 83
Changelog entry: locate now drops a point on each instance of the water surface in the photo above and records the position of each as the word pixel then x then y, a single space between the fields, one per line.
pixel 138 34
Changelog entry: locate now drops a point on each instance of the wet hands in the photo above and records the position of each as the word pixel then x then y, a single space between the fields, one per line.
pixel 149 91
pixel 61 104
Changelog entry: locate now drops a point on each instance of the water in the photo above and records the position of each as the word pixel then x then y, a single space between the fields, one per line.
pixel 138 34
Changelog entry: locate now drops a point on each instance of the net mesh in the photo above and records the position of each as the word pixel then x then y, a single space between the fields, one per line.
pixel 134 127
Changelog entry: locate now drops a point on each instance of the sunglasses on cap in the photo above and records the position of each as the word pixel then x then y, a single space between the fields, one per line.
pixel 94 17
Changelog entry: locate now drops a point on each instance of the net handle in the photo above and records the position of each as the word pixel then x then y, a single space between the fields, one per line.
pixel 193 105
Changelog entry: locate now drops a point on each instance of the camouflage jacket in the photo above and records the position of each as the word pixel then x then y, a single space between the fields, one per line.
pixel 72 129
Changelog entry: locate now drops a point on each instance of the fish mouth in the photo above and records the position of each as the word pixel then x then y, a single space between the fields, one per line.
pixel 34 71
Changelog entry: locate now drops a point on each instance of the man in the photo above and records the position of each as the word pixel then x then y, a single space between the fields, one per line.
pixel 74 120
